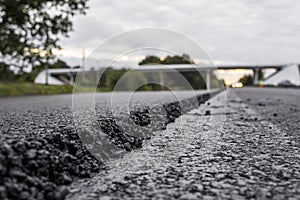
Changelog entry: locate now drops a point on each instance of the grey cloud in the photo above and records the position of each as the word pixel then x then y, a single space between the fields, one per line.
pixel 250 31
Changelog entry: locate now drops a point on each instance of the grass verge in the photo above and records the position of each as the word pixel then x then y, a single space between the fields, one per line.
pixel 24 89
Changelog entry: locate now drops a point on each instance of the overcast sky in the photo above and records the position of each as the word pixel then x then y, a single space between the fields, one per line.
pixel 232 31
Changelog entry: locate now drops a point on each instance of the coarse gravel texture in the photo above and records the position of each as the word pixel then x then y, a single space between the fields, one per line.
pixel 40 153
pixel 243 153
pixel 40 149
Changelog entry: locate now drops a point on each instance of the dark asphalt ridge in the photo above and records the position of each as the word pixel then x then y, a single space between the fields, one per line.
pixel 41 152
pixel 253 155
pixel 141 117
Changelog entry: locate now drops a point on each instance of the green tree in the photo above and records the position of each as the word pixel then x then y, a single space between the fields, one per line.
pixel 5 73
pixel 261 74
pixel 246 80
pixel 150 60
pixel 195 80
pixel 168 60
pixel 114 76
pixel 31 29
pixel 184 59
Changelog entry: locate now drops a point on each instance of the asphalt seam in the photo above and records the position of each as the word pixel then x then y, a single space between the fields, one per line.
pixel 235 159
pixel 168 141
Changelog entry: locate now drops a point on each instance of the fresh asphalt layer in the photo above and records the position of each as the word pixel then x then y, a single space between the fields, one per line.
pixel 244 148
pixel 250 150
pixel 41 149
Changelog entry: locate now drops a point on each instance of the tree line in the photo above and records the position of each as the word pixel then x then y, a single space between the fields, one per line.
pixel 175 59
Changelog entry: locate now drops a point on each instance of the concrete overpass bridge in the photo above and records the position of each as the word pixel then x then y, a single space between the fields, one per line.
pixel 209 69
pixel 67 76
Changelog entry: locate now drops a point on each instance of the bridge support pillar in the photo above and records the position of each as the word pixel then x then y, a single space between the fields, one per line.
pixel 208 79
pixel 71 79
pixel 255 76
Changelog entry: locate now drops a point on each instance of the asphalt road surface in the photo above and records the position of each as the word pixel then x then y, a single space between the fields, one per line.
pixel 248 151
pixel 40 148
